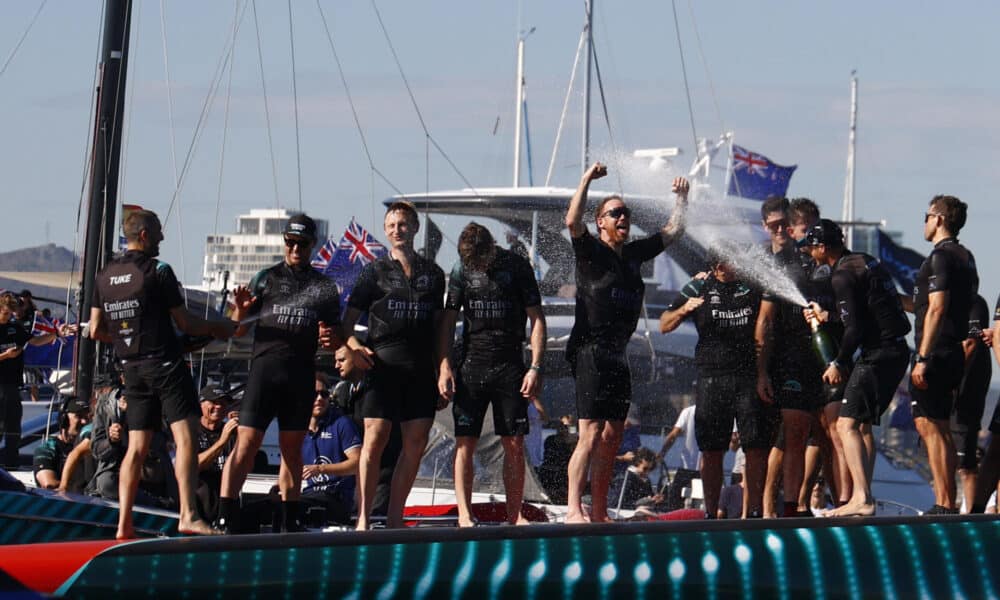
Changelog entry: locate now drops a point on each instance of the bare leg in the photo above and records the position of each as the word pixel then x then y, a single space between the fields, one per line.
pixel 513 477
pixel 775 458
pixel 290 473
pixel 968 477
pixel 754 476
pixel 128 480
pixel 796 424
pixel 240 461
pixel 989 469
pixel 579 465
pixel 941 456
pixel 373 443
pixel 465 449
pixel 186 471
pixel 856 454
pixel 601 468
pixel 414 434
pixel 840 476
pixel 814 456
pixel 711 479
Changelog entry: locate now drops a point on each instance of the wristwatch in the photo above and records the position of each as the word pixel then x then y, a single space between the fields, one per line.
pixel 537 368
pixel 920 358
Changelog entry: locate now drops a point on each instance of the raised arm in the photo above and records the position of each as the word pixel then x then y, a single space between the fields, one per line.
pixel 672 318
pixel 674 227
pixel 578 205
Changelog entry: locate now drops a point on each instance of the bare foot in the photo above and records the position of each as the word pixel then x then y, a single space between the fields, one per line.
pixel 362 525
pixel 856 509
pixel 125 534
pixel 466 522
pixel 197 527
pixel 521 521
pixel 577 517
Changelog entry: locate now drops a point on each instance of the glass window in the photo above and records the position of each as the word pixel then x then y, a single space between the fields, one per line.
pixel 250 226
pixel 274 226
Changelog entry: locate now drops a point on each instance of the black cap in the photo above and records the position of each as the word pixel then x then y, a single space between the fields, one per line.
pixel 302 226
pixel 825 232
pixel 214 393
pixel 75 405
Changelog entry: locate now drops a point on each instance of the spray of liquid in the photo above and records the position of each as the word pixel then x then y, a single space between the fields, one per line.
pixel 313 295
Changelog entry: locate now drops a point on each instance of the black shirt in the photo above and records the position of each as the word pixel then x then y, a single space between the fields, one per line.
pixel 950 267
pixel 868 305
pixel 725 324
pixel 493 306
pixel 136 293
pixel 206 439
pixel 291 303
pixel 609 290
pixel 400 310
pixel 978 366
pixel 791 332
pixel 13 335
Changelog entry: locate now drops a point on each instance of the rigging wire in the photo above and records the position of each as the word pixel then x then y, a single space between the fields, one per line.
pixel 429 138
pixel 24 35
pixel 127 125
pixel 562 116
pixel 704 63
pixel 615 154
pixel 295 104
pixel 687 89
pixel 267 106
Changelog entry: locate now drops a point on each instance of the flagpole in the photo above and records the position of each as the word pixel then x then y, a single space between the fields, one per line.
pixel 729 168
pixel 847 212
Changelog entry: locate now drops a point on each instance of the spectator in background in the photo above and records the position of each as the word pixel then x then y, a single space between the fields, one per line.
pixel 51 455
pixel 731 498
pixel 557 452
pixel 216 438
pixel 633 487
pixel 534 440
pixel 690 457
pixel 625 456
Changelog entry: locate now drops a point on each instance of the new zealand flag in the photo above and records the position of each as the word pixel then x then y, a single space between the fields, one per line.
pixel 902 262
pixel 356 249
pixel 755 176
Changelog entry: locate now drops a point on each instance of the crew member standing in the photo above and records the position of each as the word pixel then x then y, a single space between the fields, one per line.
pixel 725 314
pixel 296 308
pixel 609 295
pixel 875 322
pixel 137 302
pixel 971 403
pixel 945 287
pixel 403 294
pixel 496 292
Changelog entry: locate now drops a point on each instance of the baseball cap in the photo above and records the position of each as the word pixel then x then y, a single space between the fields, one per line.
pixel 76 405
pixel 302 226
pixel 825 232
pixel 214 393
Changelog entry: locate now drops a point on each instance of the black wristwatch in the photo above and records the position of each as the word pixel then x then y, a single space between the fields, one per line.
pixel 920 358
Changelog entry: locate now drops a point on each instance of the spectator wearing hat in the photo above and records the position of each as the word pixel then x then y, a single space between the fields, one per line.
pixel 295 310
pixel 875 323
pixel 51 455
pixel 216 438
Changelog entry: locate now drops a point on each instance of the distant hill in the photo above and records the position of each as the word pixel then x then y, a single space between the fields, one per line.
pixel 40 258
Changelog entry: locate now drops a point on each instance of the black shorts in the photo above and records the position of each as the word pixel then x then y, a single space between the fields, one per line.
pixel 873 382
pixel 282 387
pixel 797 381
pixel 400 392
pixel 480 385
pixel 944 375
pixel 722 398
pixel 603 383
pixel 158 390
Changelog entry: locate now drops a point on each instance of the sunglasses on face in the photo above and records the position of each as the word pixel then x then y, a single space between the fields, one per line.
pixel 927 216
pixel 323 393
pixel 776 225
pixel 292 242
pixel 614 213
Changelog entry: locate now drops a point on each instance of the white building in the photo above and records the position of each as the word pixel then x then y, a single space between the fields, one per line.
pixel 258 243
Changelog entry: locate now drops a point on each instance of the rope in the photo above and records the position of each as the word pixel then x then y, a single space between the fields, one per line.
pixel 562 116
pixel 704 63
pixel 127 125
pixel 616 156
pixel 687 90
pixel 267 108
pixel 20 40
pixel 295 104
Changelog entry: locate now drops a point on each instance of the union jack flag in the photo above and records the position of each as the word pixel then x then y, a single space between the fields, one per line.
pixel 755 176
pixel 42 326
pixel 356 249
pixel 323 256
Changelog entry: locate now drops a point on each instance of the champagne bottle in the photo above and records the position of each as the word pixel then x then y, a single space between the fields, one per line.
pixel 692 289
pixel 825 347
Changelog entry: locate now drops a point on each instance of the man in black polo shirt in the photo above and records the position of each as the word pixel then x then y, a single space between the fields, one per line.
pixel 875 322
pixel 403 294
pixel 216 439
pixel 945 288
pixel 294 306
pixel 968 414
pixel 137 301
pixel 609 295
pixel 496 291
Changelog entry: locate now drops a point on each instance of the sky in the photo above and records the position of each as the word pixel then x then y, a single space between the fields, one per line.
pixel 775 73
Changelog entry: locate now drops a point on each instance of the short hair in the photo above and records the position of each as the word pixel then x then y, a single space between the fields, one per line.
pixel 406 208
pixel 137 221
pixel 603 202
pixel 476 247
pixel 644 454
pixel 954 211
pixel 9 301
pixel 774 204
pixel 802 209
pixel 322 378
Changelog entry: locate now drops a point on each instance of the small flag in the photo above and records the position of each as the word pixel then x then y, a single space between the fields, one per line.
pixel 755 176
pixel 322 258
pixel 42 326
pixel 356 249
pixel 902 262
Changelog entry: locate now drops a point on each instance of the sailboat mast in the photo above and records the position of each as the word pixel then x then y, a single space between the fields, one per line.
pixel 586 86
pixel 847 214
pixel 108 120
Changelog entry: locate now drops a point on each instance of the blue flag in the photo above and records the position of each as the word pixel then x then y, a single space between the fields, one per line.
pixel 902 262
pixel 356 249
pixel 755 176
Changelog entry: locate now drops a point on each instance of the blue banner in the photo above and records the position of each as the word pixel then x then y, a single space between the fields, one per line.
pixel 902 262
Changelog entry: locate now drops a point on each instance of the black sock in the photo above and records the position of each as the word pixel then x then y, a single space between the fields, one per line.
pixel 229 510
pixel 790 509
pixel 290 512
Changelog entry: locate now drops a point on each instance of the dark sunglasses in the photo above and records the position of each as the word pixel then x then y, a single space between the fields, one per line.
pixel 776 225
pixel 614 213
pixel 927 216
pixel 323 393
pixel 292 242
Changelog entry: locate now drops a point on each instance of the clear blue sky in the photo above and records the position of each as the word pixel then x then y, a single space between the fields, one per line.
pixel 928 118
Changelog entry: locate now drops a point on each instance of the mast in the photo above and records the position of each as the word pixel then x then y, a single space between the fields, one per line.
pixel 586 86
pixel 847 214
pixel 108 120
pixel 519 109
